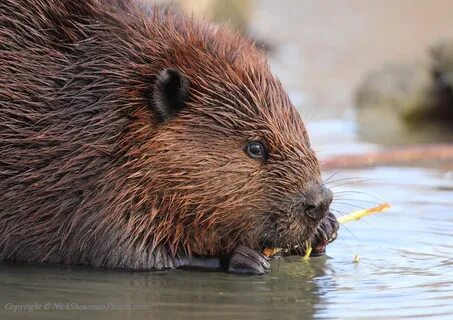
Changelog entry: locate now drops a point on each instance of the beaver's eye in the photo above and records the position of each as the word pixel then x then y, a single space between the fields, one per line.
pixel 255 150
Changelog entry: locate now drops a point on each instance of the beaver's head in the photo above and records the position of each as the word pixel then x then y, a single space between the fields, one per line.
pixel 227 159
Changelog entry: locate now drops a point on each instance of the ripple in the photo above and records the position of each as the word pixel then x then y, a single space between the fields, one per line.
pixel 405 271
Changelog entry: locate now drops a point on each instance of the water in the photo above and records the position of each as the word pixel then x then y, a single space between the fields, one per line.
pixel 405 267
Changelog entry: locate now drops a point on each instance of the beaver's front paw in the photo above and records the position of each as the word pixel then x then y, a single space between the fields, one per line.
pixel 325 234
pixel 247 261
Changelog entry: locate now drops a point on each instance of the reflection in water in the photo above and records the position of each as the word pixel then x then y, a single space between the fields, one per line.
pixel 405 267
pixel 291 290
pixel 406 253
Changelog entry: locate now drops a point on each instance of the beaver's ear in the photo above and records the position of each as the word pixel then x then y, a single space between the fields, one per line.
pixel 170 93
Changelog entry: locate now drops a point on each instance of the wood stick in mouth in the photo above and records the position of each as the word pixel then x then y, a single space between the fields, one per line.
pixel 354 216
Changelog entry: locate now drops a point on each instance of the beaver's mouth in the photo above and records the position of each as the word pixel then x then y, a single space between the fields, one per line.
pixel 319 249
pixel 319 235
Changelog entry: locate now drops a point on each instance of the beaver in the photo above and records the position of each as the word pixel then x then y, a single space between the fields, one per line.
pixel 140 139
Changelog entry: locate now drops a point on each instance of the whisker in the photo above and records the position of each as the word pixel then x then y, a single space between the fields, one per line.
pixel 350 205
pixel 349 183
pixel 356 200
pixel 342 213
pixel 347 178
pixel 331 176
pixel 350 232
pixel 357 192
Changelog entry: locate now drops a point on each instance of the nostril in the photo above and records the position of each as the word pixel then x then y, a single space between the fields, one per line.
pixel 310 210
pixel 316 201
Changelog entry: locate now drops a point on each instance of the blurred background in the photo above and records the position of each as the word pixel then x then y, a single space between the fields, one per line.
pixel 381 71
pixel 373 82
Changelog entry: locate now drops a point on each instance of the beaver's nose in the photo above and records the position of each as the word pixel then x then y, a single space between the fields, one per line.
pixel 317 201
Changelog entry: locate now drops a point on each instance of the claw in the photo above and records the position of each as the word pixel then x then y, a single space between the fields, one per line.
pixel 248 261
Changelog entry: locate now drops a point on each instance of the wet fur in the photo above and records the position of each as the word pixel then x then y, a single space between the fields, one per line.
pixel 89 172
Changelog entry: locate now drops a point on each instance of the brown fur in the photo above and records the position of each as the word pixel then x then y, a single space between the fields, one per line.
pixel 89 175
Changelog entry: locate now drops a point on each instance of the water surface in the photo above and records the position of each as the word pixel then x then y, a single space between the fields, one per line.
pixel 405 268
